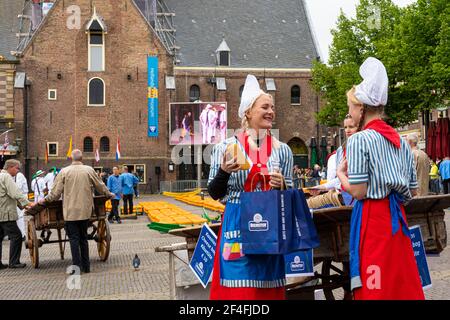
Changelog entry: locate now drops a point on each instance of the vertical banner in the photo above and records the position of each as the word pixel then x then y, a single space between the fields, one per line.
pixel 152 96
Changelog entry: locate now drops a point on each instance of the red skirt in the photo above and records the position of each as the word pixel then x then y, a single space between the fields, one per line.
pixel 388 266
pixel 219 292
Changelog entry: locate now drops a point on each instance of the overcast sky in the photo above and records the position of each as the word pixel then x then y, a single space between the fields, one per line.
pixel 324 15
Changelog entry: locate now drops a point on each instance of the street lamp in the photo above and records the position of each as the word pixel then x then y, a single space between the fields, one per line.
pixel 171 167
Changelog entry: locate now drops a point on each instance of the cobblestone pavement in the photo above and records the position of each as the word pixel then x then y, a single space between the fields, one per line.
pixel 116 278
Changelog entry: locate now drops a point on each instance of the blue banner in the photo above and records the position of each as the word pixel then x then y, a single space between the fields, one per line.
pixel 152 96
pixel 299 263
pixel 420 255
pixel 202 261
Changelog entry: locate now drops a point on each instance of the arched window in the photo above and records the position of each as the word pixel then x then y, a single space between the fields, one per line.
pixel 241 88
pixel 104 144
pixel 299 152
pixel 88 145
pixel 194 93
pixel 96 92
pixel 295 95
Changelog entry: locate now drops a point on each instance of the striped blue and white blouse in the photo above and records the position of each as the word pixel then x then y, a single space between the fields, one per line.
pixel 372 159
pixel 281 157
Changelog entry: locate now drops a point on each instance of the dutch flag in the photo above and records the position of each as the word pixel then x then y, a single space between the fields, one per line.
pixel 118 149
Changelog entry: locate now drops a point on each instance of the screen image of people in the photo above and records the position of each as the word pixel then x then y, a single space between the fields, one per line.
pixel 198 123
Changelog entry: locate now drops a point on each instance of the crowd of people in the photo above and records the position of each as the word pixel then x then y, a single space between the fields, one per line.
pixel 308 177
pixel 74 183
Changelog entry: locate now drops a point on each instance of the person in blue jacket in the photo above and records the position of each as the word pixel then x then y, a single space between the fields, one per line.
pixel 114 185
pixel 128 181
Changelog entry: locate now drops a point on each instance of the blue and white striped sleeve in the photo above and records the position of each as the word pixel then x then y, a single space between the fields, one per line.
pixel 287 164
pixel 216 161
pixel 358 160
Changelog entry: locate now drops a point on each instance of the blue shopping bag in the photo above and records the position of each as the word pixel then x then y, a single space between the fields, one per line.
pixel 304 235
pixel 266 222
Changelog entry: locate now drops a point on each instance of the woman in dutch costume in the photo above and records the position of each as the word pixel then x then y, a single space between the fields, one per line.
pixel 379 172
pixel 260 162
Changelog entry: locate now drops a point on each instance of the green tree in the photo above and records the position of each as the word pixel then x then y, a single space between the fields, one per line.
pixel 419 52
pixel 412 42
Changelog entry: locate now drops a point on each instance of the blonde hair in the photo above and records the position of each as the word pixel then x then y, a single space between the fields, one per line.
pixel 244 123
pixel 352 98
pixel 366 108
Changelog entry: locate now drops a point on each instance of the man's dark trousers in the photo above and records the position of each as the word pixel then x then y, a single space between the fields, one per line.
pixel 446 184
pixel 127 199
pixel 10 229
pixel 115 210
pixel 78 238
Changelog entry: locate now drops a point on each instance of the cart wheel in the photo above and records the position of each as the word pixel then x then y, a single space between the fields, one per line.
pixel 32 243
pixel 335 281
pixel 103 239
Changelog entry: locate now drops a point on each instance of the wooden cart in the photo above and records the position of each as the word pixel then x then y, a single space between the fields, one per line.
pixel 333 226
pixel 50 217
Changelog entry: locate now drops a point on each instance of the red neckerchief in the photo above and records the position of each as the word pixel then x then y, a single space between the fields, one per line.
pixel 385 130
pixel 259 160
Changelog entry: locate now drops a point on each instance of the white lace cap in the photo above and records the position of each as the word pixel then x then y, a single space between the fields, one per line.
pixel 250 93
pixel 373 90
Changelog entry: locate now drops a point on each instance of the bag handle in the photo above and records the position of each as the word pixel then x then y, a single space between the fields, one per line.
pixel 264 178
pixel 251 181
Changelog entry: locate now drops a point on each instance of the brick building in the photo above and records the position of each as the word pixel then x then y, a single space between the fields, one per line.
pixel 89 81
pixel 8 65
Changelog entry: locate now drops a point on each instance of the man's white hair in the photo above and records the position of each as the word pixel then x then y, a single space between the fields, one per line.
pixel 77 155
pixel 413 138
pixel 11 163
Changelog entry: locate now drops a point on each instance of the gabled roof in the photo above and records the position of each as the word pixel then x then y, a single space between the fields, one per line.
pixel 96 23
pixel 261 33
pixel 56 2
pixel 9 9
pixel 223 46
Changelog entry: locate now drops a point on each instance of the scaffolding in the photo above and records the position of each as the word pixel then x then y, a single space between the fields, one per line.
pixel 161 18
pixel 25 27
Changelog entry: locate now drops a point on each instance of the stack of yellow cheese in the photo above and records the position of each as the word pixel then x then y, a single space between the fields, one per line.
pixel 179 194
pixel 164 212
pixel 197 201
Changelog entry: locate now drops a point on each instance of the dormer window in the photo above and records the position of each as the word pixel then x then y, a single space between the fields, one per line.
pixel 223 57
pixel 96 30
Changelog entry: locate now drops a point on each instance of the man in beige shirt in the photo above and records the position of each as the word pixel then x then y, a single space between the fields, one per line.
pixel 422 163
pixel 10 196
pixel 76 183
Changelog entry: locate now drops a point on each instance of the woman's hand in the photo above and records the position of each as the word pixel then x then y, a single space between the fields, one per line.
pixel 276 180
pixel 229 166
